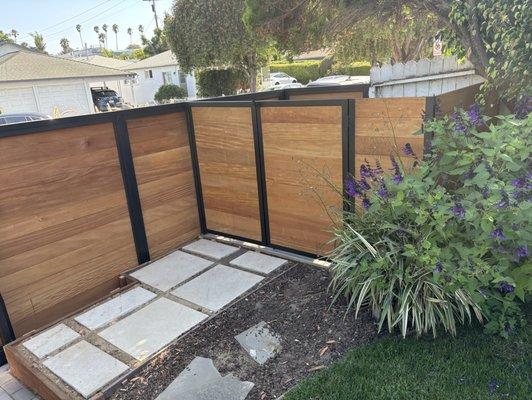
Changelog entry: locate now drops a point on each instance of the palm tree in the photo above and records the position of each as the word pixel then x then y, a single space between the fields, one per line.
pixel 141 30
pixel 130 33
pixel 101 39
pixel 104 28
pixel 97 30
pixel 65 46
pixel 14 33
pixel 115 30
pixel 78 28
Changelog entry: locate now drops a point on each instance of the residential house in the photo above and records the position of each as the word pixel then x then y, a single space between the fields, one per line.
pixel 36 82
pixel 155 71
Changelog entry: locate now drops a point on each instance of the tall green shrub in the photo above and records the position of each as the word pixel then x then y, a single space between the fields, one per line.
pixel 218 82
pixel 448 241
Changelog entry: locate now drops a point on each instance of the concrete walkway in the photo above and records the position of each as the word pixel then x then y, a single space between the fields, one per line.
pixel 12 389
pixel 101 345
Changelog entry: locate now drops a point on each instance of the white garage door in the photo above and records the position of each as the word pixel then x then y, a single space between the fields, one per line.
pixel 65 99
pixel 19 100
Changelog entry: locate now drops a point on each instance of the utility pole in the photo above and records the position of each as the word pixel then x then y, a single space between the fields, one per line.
pixel 154 12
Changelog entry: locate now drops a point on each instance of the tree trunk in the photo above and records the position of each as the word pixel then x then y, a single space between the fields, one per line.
pixel 252 73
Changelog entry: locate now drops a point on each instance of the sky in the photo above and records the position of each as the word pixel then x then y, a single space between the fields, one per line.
pixel 56 19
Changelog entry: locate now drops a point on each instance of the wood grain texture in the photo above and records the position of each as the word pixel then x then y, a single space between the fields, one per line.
pixel 302 153
pixel 226 156
pixel 65 234
pixel 161 155
pixel 384 126
pixel 463 97
pixel 327 96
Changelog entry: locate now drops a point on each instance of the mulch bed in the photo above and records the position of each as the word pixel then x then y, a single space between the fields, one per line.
pixel 296 305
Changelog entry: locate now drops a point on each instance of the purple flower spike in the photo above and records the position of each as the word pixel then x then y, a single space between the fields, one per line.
pixel 521 252
pixel 506 288
pixel 485 193
pixel 438 267
pixel 365 171
pixel 407 150
pixel 366 203
pixel 498 234
pixel 518 182
pixel 475 116
pixel 351 187
pixel 397 179
pixel 363 184
pixel 459 126
pixel 505 201
pixel 458 210
pixel 382 192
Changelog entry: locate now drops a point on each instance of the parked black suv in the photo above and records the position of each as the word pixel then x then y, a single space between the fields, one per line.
pixel 104 98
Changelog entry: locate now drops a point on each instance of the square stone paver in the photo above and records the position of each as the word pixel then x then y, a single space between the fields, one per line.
pixel 50 340
pixel 258 262
pixel 171 270
pixel 260 342
pixel 200 380
pixel 85 367
pixel 211 249
pixel 114 308
pixel 217 287
pixel 151 328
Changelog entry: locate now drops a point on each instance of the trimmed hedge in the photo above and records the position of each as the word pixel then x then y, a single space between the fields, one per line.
pixel 218 82
pixel 306 71
pixel 303 71
pixel 169 92
pixel 353 69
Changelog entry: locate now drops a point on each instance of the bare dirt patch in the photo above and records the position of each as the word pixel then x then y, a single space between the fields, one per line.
pixel 296 305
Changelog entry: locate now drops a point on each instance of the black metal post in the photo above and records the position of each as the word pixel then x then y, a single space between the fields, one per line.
pixel 430 114
pixel 130 186
pixel 6 330
pixel 196 169
pixel 261 173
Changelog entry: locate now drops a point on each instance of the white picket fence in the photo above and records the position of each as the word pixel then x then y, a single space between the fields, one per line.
pixel 422 78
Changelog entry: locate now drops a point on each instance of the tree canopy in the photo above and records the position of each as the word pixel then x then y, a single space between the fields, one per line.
pixel 495 35
pixel 211 33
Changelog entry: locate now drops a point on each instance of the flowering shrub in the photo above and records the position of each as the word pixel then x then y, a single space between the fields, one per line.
pixel 449 240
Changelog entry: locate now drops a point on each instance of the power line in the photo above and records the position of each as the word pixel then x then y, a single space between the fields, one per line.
pixel 66 20
pixel 52 35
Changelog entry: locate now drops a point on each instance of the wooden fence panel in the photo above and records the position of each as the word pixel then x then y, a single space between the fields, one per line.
pixel 226 157
pixel 163 168
pixel 66 233
pixel 384 126
pixel 302 151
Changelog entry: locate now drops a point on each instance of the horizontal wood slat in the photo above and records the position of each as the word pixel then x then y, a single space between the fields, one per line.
pixel 302 155
pixel 384 126
pixel 327 96
pixel 66 233
pixel 163 167
pixel 226 157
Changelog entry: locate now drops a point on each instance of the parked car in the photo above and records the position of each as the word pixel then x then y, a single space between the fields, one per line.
pixel 104 99
pixel 286 86
pixel 8 119
pixel 336 80
pixel 279 78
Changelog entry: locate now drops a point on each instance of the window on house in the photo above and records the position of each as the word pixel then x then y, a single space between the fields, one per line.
pixel 148 74
pixel 182 78
pixel 167 78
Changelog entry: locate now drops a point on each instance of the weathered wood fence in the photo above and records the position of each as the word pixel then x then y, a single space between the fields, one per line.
pixel 84 199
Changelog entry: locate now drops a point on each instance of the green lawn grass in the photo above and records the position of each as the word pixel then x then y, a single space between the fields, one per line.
pixel 470 366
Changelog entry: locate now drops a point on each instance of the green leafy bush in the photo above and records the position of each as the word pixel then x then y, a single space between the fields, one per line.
pixel 169 92
pixel 353 69
pixel 218 82
pixel 303 71
pixel 449 240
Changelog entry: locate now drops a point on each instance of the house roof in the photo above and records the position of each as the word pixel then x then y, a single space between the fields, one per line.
pixel 159 60
pixel 28 65
pixel 107 62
